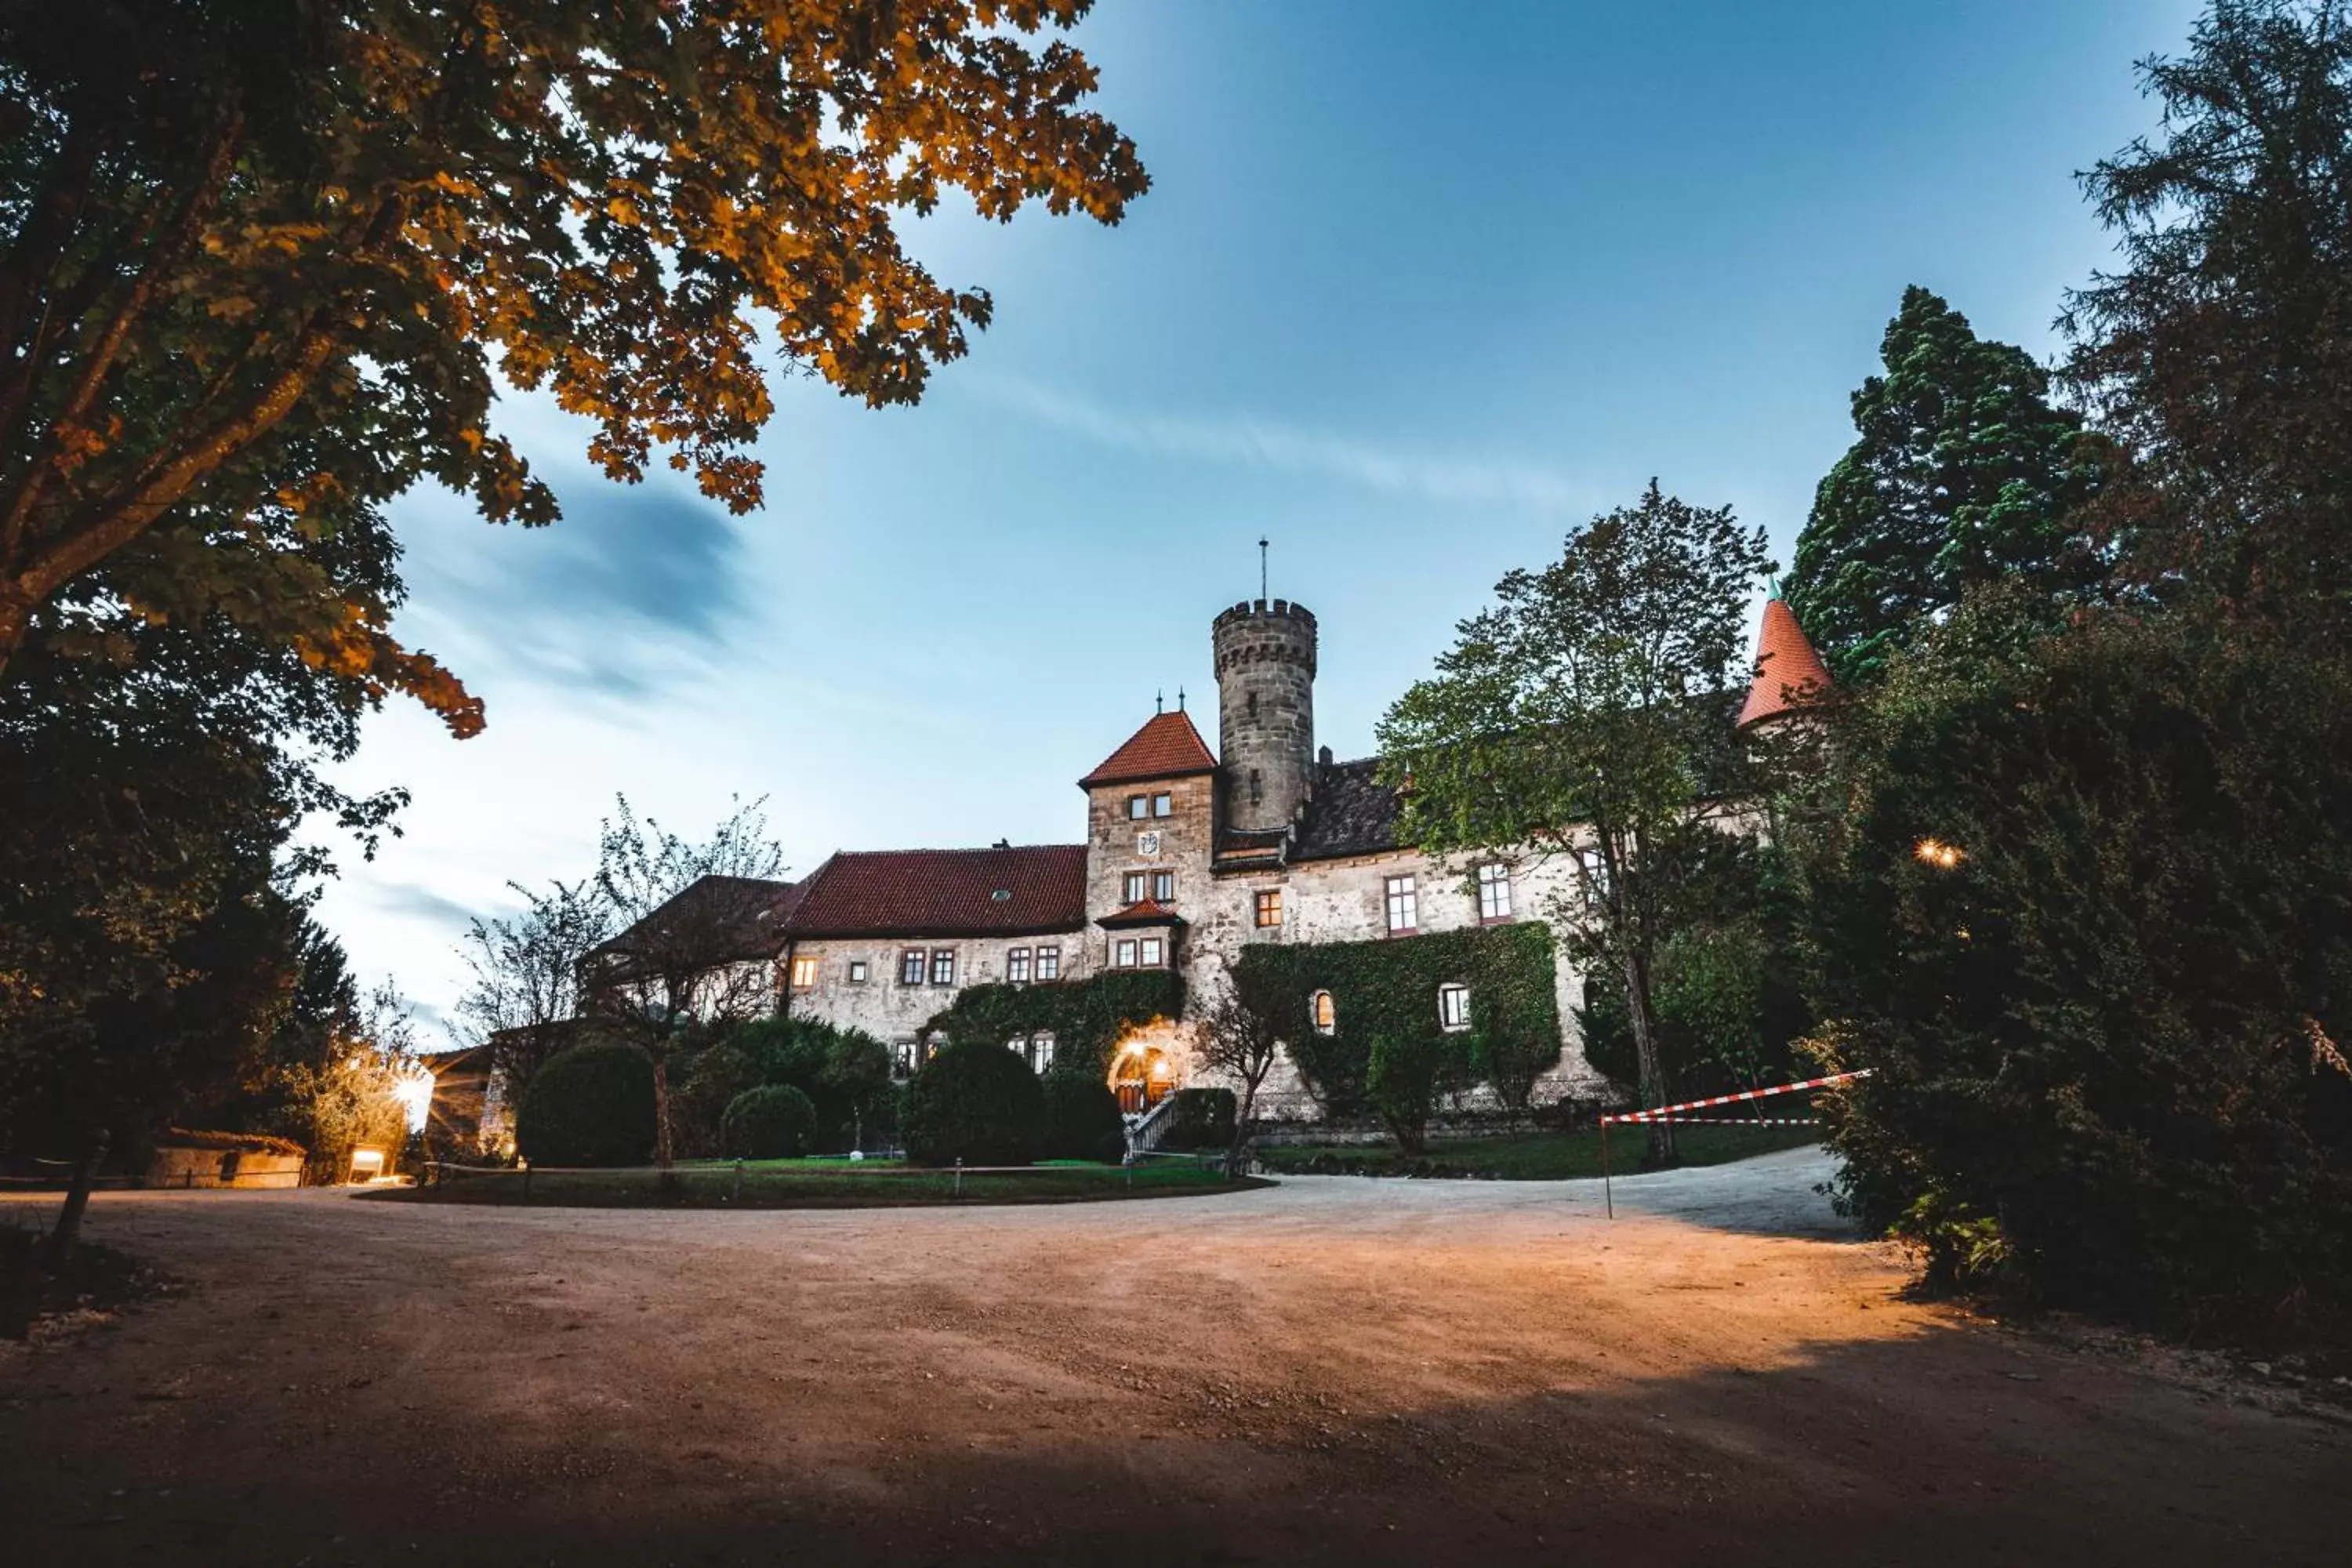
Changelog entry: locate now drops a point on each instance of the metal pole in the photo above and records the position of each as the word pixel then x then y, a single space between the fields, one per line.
pixel 958 1177
pixel 1608 1195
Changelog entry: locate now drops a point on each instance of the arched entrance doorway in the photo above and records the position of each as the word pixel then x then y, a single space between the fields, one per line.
pixel 1141 1074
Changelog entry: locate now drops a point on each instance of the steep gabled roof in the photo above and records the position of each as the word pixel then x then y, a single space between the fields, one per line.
pixel 1007 892
pixel 733 917
pixel 1789 673
pixel 1166 747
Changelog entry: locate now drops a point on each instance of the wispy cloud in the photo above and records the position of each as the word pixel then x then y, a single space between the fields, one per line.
pixel 1467 479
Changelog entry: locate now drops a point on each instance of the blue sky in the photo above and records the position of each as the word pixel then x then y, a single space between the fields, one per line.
pixel 1418 287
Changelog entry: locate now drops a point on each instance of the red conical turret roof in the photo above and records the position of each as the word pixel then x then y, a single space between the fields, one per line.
pixel 1789 673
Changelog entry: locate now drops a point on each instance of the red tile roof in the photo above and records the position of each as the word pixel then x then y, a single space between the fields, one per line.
pixel 1166 747
pixel 1149 912
pixel 1789 673
pixel 946 892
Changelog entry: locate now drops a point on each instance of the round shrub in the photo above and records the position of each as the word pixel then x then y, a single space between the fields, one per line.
pixel 1203 1119
pixel 1081 1119
pixel 775 1122
pixel 975 1102
pixel 592 1105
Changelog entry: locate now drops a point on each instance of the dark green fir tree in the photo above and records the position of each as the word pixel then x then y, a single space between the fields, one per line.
pixel 1964 473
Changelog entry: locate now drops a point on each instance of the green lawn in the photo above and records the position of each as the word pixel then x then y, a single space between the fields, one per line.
pixel 1529 1156
pixel 820 1184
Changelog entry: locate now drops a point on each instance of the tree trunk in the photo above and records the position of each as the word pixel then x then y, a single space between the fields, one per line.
pixel 661 1115
pixel 1242 1114
pixel 1652 1085
pixel 63 1239
pixel 16 620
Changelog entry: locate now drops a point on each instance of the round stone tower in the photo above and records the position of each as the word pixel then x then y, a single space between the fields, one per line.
pixel 1265 710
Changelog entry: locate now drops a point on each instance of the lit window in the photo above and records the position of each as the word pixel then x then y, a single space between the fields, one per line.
pixel 1149 952
pixel 1162 804
pixel 910 966
pixel 1040 1051
pixel 857 972
pixel 1164 887
pixel 1049 963
pixel 1269 907
pixel 1138 808
pixel 1122 954
pixel 1404 905
pixel 943 966
pixel 1453 1005
pixel 804 974
pixel 1016 966
pixel 1494 892
pixel 1326 1017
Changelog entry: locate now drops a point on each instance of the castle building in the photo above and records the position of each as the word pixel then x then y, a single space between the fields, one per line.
pixel 1189 856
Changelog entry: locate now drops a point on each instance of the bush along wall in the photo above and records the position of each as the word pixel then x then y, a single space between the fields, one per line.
pixel 1390 988
pixel 1087 1017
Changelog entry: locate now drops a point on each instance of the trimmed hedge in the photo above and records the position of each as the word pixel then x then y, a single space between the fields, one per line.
pixel 1087 1017
pixel 1389 987
pixel 977 1102
pixel 1081 1119
pixel 592 1105
pixel 775 1122
pixel 1203 1119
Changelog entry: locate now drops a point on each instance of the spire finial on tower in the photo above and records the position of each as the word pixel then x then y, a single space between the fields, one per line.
pixel 1160 700
pixel 1261 566
pixel 1179 699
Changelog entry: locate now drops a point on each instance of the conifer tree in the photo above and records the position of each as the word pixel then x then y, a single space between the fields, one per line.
pixel 1964 473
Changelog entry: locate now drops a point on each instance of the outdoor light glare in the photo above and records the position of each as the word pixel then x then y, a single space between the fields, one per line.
pixel 1935 852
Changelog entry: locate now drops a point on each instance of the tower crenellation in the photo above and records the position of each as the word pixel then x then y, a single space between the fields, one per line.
pixel 1265 652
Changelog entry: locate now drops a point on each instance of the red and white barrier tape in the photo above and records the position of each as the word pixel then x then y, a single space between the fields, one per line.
pixel 1734 1121
pixel 1665 1112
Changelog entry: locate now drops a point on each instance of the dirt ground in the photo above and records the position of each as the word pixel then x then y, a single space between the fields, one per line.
pixel 1335 1370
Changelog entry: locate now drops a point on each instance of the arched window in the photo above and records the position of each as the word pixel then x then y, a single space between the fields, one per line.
pixel 1326 1017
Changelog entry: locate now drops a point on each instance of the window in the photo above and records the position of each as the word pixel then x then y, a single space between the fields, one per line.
pixel 1138 808
pixel 1453 1005
pixel 857 972
pixel 1131 887
pixel 1122 954
pixel 1049 963
pixel 1326 1017
pixel 1594 868
pixel 1164 887
pixel 1016 966
pixel 910 967
pixel 1040 1051
pixel 903 1058
pixel 804 974
pixel 1162 804
pixel 1404 905
pixel 1149 952
pixel 943 966
pixel 1494 892
pixel 1269 907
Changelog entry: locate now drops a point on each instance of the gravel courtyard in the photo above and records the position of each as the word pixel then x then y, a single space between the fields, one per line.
pixel 1331 1371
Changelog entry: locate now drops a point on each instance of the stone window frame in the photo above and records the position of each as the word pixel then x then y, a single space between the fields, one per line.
pixel 1163 879
pixel 913 964
pixel 943 966
pixel 857 972
pixel 1493 893
pixel 1049 960
pixel 1268 908
pixel 1017 967
pixel 1122 953
pixel 1152 952
pixel 1131 885
pixel 1400 903
pixel 1454 1006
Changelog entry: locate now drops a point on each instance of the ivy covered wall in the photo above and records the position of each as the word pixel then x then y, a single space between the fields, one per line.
pixel 1389 987
pixel 1085 1017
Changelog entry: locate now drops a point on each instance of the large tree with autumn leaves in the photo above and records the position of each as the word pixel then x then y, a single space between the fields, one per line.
pixel 264 262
